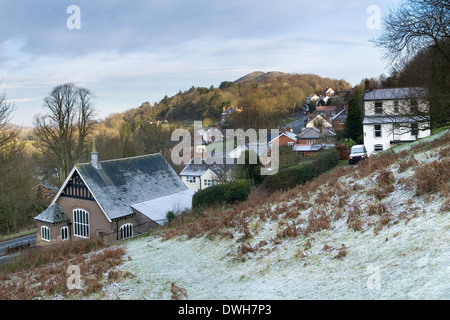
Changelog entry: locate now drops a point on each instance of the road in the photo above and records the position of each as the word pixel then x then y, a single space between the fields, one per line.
pixel 13 242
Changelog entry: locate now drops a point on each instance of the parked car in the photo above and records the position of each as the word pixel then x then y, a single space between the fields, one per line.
pixel 357 152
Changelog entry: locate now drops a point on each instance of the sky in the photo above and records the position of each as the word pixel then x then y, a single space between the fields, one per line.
pixel 130 52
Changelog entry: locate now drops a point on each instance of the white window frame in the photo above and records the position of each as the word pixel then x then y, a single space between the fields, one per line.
pixel 375 131
pixel 126 231
pixel 378 147
pixel 380 109
pixel 64 233
pixel 81 220
pixel 310 141
pixel 290 143
pixel 191 179
pixel 208 182
pixel 45 233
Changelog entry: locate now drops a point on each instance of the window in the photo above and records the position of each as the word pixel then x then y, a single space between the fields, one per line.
pixel 378 107
pixel 310 141
pixel 377 130
pixel 64 233
pixel 290 143
pixel 190 179
pixel 414 106
pixel 378 147
pixel 396 106
pixel 45 233
pixel 126 231
pixel 208 182
pixel 81 223
pixel 414 129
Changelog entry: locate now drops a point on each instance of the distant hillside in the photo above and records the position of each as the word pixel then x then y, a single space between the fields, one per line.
pixel 265 99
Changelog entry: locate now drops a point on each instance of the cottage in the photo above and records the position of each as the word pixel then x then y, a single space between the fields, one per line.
pixel 198 175
pixel 338 121
pixel 285 138
pixel 114 199
pixel 313 135
pixel 45 191
pixel 393 116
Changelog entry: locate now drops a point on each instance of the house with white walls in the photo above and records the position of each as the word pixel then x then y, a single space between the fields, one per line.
pixel 393 116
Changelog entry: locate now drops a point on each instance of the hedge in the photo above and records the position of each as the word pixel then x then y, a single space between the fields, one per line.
pixel 228 192
pixel 303 172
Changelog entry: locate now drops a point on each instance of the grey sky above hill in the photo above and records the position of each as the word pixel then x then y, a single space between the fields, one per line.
pixel 129 52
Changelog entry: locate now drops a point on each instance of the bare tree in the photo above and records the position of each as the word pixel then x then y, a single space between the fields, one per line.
pixel 7 132
pixel 62 133
pixel 415 25
pixel 417 35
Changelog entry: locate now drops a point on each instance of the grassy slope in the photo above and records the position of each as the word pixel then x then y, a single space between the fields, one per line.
pixel 406 248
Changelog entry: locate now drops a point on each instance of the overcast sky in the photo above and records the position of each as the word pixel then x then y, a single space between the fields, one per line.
pixel 129 52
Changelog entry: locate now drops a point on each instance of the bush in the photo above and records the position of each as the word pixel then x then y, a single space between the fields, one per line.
pixel 288 178
pixel 228 192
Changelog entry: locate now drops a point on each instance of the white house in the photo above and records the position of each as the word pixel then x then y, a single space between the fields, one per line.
pixel 200 175
pixel 393 116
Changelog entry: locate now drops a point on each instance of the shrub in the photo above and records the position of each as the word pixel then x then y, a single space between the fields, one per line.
pixel 228 192
pixel 431 177
pixel 288 178
pixel 343 152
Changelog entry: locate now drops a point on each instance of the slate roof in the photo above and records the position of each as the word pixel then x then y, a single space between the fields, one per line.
pixel 394 93
pixel 197 170
pixel 306 147
pixel 368 120
pixel 124 182
pixel 157 209
pixel 53 214
pixel 342 115
pixel 314 133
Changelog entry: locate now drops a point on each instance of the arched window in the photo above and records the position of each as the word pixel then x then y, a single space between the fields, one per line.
pixel 45 233
pixel 81 223
pixel 64 233
pixel 126 231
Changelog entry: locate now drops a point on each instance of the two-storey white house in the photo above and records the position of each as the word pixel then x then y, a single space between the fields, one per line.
pixel 394 115
pixel 198 175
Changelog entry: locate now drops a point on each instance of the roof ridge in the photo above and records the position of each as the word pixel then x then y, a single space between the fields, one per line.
pixel 121 159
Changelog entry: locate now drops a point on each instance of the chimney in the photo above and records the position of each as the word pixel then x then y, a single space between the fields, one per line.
pixel 94 156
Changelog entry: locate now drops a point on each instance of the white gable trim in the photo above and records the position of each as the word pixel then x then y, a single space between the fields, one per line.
pixel 282 134
pixel 67 181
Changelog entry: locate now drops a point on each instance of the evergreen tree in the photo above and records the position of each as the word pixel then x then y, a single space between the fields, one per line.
pixel 353 123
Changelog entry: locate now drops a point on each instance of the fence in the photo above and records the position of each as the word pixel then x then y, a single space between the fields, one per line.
pixel 18 246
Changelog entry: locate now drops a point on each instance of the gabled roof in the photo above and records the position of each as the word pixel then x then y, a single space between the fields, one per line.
pixel 314 133
pixel 194 169
pixel 124 182
pixel 289 134
pixel 342 115
pixel 53 214
pixel 395 93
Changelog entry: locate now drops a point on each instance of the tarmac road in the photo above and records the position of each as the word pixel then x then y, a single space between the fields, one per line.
pixel 13 242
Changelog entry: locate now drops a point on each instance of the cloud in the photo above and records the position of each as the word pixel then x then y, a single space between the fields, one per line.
pixel 131 52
